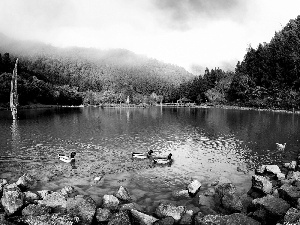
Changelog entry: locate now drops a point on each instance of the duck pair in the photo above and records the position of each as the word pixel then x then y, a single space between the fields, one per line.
pixel 156 160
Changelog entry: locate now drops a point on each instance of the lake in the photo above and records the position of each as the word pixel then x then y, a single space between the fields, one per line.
pixel 205 143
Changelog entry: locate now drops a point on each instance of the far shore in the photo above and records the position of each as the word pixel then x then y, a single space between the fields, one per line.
pixel 40 106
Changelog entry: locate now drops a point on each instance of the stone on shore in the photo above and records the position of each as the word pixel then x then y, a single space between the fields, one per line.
pixel 232 203
pixel 292 216
pixel 291 165
pixel 165 221
pixel 50 219
pixel 36 210
pixel 110 202
pixel 275 207
pixel 68 191
pixel 82 206
pixel 123 194
pixel 186 219
pixel 54 200
pixel 3 182
pixel 164 210
pixel 120 218
pixel 289 193
pixel 238 219
pixel 26 181
pixel 44 193
pixel 262 183
pixel 131 205
pixel 12 199
pixel 142 218
pixel 181 194
pixel 208 201
pixel 102 215
pixel 194 187
pixel 209 220
pixel 31 197
pixel 273 169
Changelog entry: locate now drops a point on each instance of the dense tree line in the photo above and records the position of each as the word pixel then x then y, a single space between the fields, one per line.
pixel 268 76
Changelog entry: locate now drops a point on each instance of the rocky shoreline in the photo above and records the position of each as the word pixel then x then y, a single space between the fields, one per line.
pixel 274 198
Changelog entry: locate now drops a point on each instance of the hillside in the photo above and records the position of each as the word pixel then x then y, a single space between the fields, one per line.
pixel 86 69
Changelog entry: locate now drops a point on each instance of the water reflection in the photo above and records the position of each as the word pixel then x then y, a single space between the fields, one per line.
pixel 15 136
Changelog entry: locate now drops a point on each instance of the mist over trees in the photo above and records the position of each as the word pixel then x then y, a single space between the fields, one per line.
pixel 267 77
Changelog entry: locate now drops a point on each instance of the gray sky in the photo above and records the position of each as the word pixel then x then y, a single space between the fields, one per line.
pixel 191 33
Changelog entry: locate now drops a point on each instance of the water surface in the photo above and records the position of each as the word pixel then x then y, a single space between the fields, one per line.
pixel 205 143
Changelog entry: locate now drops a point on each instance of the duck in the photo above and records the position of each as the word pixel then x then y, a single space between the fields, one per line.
pixel 139 155
pixel 67 159
pixel 280 146
pixel 163 160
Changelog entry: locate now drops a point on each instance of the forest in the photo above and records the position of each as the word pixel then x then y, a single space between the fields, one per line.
pixel 267 77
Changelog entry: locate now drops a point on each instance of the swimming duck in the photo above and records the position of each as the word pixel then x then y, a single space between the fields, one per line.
pixel 138 155
pixel 280 146
pixel 163 160
pixel 66 158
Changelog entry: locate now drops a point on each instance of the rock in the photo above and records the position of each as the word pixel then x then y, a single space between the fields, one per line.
pixel 209 220
pixel 271 205
pixel 68 191
pixel 246 202
pixel 120 218
pixel 3 182
pixel 12 199
pixel 239 219
pixel 255 193
pixel 280 176
pixel 131 205
pixel 232 203
pixel 273 169
pixel 142 218
pixel 289 193
pixel 292 216
pixel 26 181
pixel 294 176
pixel 44 193
pixel 54 200
pixel 194 187
pixel 110 202
pixel 261 183
pixel 50 219
pixel 206 201
pixel 123 194
pixel 181 194
pixel 165 221
pixel 103 215
pixel 82 206
pixel 260 170
pixel 164 210
pixel 198 218
pixel 3 220
pixel 223 189
pixel 31 197
pixel 186 219
pixel 221 180
pixel 291 165
pixel 36 210
pixel 260 215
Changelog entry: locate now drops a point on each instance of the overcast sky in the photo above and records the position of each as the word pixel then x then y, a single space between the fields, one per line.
pixel 191 33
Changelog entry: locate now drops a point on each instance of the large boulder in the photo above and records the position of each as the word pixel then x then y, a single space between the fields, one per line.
pixel 164 210
pixel 208 201
pixel 123 194
pixel 142 218
pixel 12 199
pixel 262 183
pixel 26 181
pixel 82 206
pixel 289 193
pixel 232 203
pixel 120 218
pixel 275 207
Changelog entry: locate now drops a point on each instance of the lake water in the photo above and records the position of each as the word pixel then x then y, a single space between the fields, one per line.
pixel 205 143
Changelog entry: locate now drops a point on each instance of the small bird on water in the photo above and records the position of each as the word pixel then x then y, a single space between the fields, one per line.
pixel 66 158
pixel 280 147
pixel 139 155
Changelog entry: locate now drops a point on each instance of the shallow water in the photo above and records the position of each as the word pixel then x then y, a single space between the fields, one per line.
pixel 205 143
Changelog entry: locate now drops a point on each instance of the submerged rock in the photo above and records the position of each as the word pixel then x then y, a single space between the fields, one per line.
pixel 12 199
pixel 123 194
